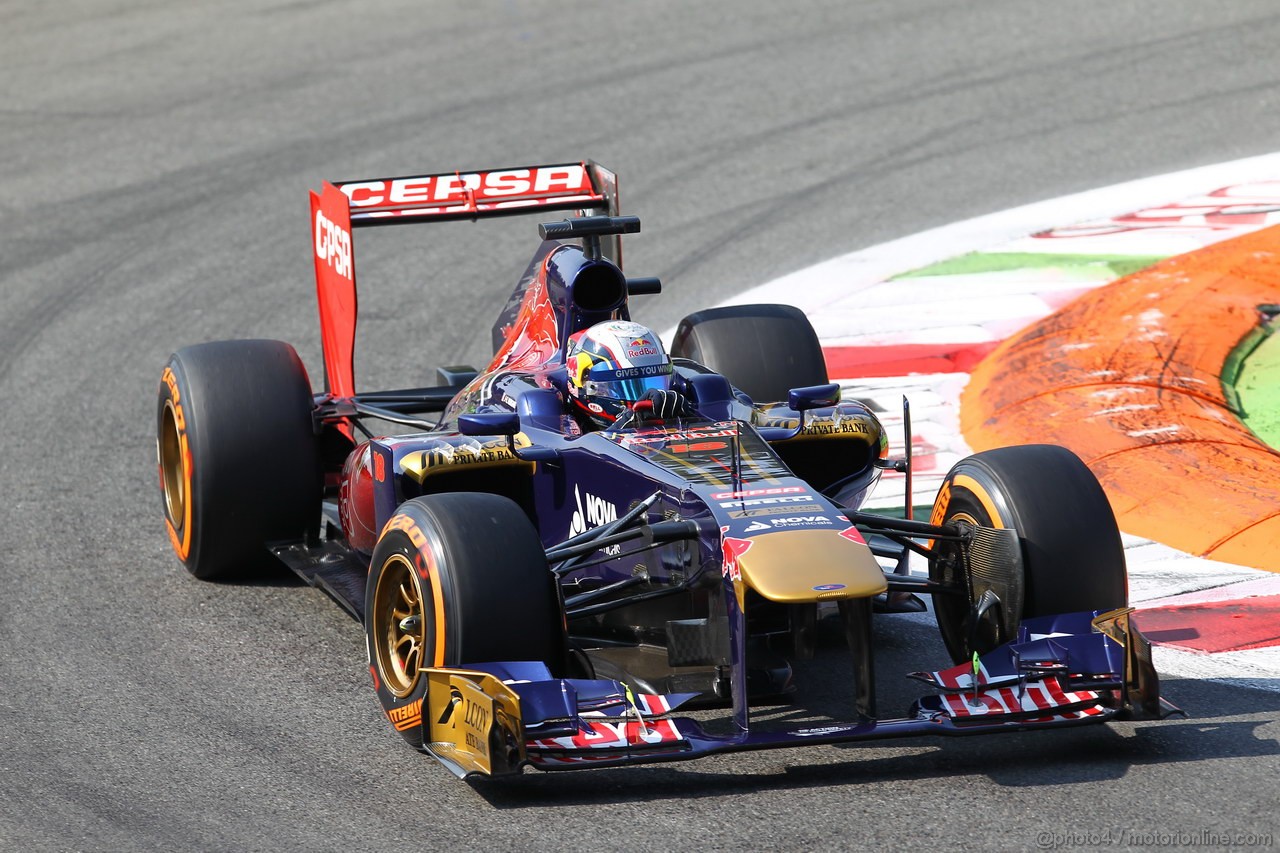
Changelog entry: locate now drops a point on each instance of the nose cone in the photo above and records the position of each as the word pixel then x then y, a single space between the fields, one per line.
pixel 797 566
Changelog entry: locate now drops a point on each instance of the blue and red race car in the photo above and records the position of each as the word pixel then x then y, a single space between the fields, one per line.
pixel 547 566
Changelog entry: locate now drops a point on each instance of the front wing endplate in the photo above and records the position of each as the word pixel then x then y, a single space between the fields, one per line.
pixel 473 724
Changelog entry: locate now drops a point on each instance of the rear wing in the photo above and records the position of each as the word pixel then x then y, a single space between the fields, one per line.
pixel 340 207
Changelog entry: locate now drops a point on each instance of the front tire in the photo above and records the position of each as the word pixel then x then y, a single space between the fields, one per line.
pixel 455 579
pixel 237 455
pixel 1070 555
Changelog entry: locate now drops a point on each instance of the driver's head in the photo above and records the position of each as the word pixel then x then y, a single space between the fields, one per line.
pixel 611 365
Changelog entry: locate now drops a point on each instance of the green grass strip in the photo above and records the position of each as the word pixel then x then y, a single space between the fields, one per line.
pixel 1254 387
pixel 1092 266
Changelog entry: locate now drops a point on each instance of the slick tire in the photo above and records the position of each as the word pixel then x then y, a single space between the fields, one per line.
pixel 237 455
pixel 763 350
pixel 1072 558
pixel 455 579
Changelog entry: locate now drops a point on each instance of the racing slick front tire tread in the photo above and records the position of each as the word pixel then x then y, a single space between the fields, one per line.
pixel 237 455
pixel 476 560
pixel 1073 558
pixel 763 350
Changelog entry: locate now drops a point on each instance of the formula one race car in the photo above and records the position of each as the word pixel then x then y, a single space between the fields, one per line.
pixel 561 549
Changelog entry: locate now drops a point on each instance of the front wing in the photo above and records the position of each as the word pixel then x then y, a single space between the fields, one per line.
pixel 1076 669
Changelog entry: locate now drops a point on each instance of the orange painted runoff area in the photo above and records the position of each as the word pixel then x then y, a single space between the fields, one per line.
pixel 1127 376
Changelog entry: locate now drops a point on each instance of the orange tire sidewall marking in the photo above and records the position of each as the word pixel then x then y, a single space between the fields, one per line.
pixel 425 563
pixel 181 544
pixel 406 716
pixel 943 502
pixel 972 486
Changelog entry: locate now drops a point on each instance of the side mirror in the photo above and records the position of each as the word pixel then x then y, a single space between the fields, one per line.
pixel 489 423
pixel 508 424
pixel 813 397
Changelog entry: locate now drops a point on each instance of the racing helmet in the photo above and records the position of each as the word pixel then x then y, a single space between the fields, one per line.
pixel 612 365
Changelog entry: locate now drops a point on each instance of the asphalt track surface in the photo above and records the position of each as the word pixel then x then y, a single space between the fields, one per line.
pixel 155 159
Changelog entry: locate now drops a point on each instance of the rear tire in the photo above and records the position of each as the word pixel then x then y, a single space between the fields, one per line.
pixel 1072 558
pixel 455 579
pixel 763 350
pixel 237 455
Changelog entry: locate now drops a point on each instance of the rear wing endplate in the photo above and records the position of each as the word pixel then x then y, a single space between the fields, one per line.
pixel 340 207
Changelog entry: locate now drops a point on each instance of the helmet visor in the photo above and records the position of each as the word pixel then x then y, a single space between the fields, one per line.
pixel 630 383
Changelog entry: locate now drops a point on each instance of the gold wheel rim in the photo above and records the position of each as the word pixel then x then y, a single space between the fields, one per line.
pixel 399 626
pixel 172 475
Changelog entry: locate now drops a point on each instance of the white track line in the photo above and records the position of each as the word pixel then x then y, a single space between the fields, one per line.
pixel 812 288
